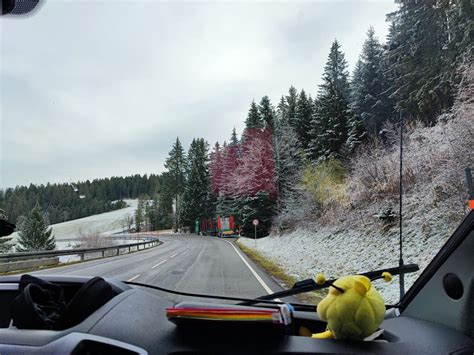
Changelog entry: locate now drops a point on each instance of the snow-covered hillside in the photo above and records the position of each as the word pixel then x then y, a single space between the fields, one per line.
pixel 305 253
pixel 361 232
pixel 108 222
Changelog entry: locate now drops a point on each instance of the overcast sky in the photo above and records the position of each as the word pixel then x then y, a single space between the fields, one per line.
pixel 100 88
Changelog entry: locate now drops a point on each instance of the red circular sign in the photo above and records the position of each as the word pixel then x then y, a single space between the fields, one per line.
pixel 255 222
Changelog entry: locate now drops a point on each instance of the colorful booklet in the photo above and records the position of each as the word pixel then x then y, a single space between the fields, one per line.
pixel 281 315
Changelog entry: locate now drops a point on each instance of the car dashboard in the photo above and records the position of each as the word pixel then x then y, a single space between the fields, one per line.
pixel 134 322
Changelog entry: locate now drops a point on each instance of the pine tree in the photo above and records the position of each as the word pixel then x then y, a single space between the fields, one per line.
pixel 176 165
pixel 139 215
pixel 215 168
pixel 370 101
pixel 152 213
pixel 460 34
pixel 34 234
pixel 266 112
pixel 282 109
pixel 165 206
pixel 254 120
pixel 421 66
pixel 259 206
pixel 356 133
pixel 304 114
pixel 291 106
pixel 288 161
pixel 233 138
pixel 196 197
pixel 331 110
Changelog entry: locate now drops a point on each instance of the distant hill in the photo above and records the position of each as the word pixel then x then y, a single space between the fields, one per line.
pixel 69 201
pixel 107 222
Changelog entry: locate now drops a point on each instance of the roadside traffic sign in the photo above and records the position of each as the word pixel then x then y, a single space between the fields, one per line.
pixel 255 224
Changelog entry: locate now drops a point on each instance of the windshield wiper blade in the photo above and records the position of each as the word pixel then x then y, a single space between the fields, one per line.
pixel 250 301
pixel 309 285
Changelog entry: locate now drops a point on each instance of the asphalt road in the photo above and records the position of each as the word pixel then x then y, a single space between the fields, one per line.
pixel 184 262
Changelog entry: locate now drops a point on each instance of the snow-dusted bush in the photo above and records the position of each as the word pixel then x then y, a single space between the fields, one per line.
pixel 325 182
pixel 434 163
pixel 298 209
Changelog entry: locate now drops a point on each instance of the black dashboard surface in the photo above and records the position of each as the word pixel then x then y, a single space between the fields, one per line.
pixel 135 322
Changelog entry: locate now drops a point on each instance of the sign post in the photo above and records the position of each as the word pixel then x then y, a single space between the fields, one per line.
pixel 255 224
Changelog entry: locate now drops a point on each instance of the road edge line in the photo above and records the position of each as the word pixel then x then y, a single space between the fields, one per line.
pixel 257 276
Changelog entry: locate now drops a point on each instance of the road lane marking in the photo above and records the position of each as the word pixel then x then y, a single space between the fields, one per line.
pixel 173 255
pixel 134 277
pixel 161 262
pixel 257 276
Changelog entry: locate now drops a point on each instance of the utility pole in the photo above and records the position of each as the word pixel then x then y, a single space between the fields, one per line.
pixel 400 261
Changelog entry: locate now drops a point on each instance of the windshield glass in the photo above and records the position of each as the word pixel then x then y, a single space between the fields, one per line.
pixel 234 148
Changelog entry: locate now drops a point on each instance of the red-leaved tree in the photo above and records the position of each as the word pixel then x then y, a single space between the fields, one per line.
pixel 255 171
pixel 230 163
pixel 215 168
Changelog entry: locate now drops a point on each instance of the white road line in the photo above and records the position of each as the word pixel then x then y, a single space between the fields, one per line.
pixel 134 277
pixel 161 262
pixel 173 255
pixel 257 276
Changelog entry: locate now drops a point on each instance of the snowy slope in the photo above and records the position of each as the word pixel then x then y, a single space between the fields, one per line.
pixel 348 238
pixel 305 253
pixel 105 223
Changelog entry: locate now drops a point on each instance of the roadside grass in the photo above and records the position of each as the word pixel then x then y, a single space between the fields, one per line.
pixel 280 275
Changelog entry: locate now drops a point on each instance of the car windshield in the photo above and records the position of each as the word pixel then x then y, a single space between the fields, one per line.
pixel 234 148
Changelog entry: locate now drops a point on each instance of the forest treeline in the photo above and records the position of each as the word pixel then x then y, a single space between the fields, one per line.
pixel 67 201
pixel 293 157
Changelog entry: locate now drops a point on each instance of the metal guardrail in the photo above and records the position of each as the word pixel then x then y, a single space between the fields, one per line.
pixel 110 237
pixel 79 251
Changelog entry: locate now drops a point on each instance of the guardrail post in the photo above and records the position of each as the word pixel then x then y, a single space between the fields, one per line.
pixel 103 253
pixel 82 256
pixel 129 249
pixel 118 251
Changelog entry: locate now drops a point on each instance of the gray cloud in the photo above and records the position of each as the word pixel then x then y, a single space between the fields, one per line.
pixel 94 89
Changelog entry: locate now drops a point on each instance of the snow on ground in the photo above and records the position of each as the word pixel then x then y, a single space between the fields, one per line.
pixel 304 254
pixel 104 223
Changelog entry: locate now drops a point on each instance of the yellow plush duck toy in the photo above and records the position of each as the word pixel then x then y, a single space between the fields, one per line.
pixel 353 308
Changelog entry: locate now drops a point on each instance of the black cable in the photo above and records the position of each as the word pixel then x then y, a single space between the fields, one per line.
pixel 300 287
pixel 252 300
